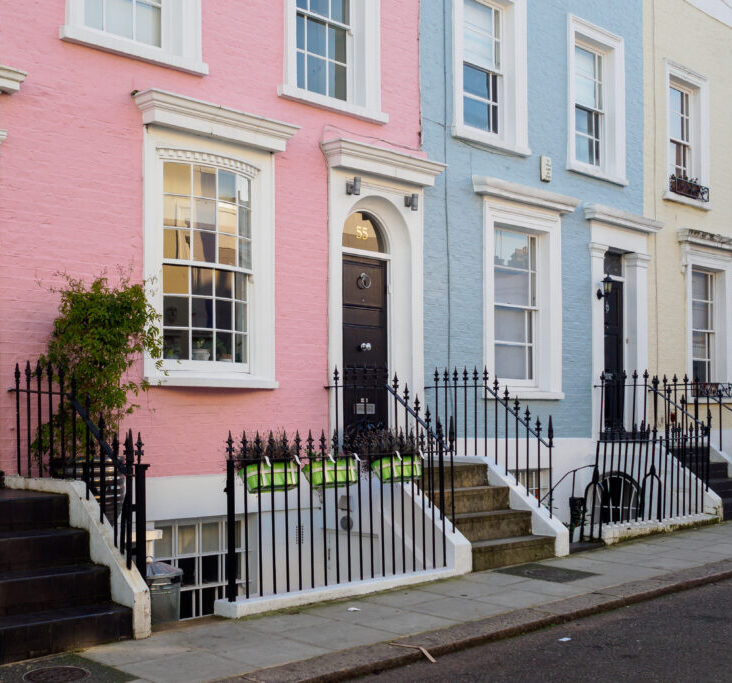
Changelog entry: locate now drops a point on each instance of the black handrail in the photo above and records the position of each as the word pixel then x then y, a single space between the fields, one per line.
pixel 64 442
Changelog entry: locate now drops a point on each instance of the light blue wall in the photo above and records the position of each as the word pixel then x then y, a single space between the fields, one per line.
pixel 453 253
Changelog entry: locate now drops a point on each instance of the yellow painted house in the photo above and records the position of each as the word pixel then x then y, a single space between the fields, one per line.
pixel 688 186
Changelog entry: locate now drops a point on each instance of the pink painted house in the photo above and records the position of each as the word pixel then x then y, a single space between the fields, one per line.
pixel 219 150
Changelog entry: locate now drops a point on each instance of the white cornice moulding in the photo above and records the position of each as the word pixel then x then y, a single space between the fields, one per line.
pixel 358 156
pixel 10 79
pixel 621 219
pixel 3 136
pixel 705 239
pixel 522 194
pixel 195 116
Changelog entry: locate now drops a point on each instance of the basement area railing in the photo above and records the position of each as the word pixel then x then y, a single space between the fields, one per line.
pixel 311 513
pixel 646 477
pixel 55 436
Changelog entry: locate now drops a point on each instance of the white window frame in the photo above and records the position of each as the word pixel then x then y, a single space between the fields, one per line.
pixel 219 586
pixel 720 266
pixel 188 130
pixel 513 119
pixel 711 332
pixel 697 87
pixel 612 136
pixel 364 64
pixel 521 209
pixel 180 36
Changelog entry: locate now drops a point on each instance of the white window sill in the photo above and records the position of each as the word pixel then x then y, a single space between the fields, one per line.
pixel 530 394
pixel 489 140
pixel 130 48
pixel 680 199
pixel 594 172
pixel 332 104
pixel 213 380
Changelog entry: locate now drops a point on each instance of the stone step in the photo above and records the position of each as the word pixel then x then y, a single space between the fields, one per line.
pixel 27 591
pixel 464 475
pixel 506 551
pixel 721 485
pixel 718 470
pixel 70 628
pixel 21 510
pixel 484 526
pixel 39 548
pixel 477 499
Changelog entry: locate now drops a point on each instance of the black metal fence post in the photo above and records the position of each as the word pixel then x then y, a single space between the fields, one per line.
pixel 230 491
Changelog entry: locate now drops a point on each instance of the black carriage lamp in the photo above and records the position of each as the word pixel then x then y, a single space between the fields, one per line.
pixel 607 287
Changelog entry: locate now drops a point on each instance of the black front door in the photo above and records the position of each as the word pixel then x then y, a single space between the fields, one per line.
pixel 365 351
pixel 614 366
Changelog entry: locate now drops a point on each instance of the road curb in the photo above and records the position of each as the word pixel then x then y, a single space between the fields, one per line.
pixel 369 659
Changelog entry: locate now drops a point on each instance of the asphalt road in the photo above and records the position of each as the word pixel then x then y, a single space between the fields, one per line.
pixel 682 637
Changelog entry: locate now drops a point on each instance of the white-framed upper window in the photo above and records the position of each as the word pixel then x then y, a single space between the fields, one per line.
pixel 707 262
pixel 514 308
pixel 332 55
pixel 209 247
pixel 523 297
pixel 489 75
pixel 702 325
pixel 687 132
pixel 596 86
pixel 165 32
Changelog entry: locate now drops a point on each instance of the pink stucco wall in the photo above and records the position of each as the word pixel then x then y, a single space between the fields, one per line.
pixel 71 200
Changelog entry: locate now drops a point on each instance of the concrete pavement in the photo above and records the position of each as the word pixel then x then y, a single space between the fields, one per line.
pixel 482 604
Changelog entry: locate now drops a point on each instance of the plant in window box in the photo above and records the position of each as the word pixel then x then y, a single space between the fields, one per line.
pixel 271 467
pixel 330 471
pixel 392 458
pixel 100 332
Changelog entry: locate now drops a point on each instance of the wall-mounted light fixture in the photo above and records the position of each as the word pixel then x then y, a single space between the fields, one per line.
pixel 354 186
pixel 607 287
pixel 412 201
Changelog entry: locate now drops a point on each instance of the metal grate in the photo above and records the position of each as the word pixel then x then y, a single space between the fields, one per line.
pixel 57 674
pixel 544 572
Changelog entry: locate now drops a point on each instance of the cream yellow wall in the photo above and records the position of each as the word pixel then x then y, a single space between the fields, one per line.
pixel 676 30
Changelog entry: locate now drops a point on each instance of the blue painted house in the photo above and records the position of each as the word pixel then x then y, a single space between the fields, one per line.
pixel 536 108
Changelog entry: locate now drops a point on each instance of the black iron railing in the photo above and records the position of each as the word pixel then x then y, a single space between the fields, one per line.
pixel 320 513
pixel 646 477
pixel 688 187
pixel 480 420
pixel 56 437
pixel 638 403
pixel 488 422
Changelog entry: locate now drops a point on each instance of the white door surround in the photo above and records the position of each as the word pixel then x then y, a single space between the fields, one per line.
pixel 626 233
pixel 386 178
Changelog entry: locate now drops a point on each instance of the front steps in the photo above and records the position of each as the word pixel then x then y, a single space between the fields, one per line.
pixel 499 535
pixel 52 598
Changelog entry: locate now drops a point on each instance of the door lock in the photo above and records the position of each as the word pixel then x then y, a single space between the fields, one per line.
pixel 365 346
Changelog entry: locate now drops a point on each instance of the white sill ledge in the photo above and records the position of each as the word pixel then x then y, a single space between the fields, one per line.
pixel 130 48
pixel 593 172
pixel 290 92
pixel 488 140
pixel 688 201
pixel 212 380
pixel 531 395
